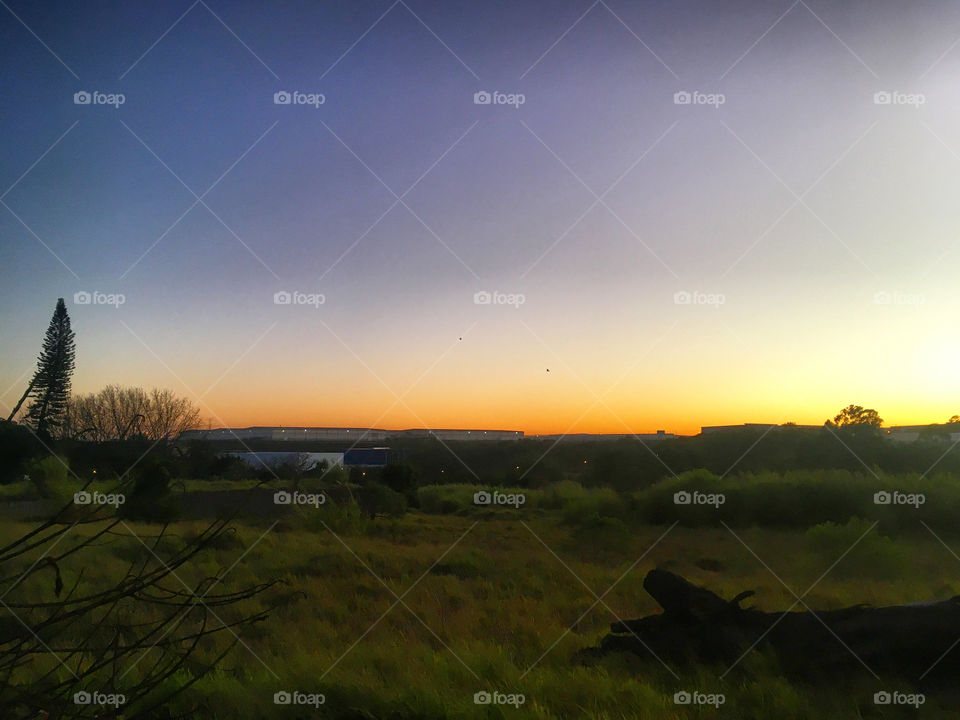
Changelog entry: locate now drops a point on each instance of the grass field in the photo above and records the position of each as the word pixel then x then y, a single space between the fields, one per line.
pixel 410 617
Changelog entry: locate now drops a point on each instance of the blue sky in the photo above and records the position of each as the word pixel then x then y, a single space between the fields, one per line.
pixel 801 202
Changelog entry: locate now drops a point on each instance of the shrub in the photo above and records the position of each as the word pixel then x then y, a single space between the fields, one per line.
pixel 151 499
pixel 874 555
pixel 800 499
pixel 347 517
pixel 588 504
pixel 604 533
pixel 17 446
pixel 376 499
pixel 446 499
pixel 401 478
pixel 49 476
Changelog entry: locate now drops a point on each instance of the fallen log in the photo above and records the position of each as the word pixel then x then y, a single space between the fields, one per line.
pixel 914 642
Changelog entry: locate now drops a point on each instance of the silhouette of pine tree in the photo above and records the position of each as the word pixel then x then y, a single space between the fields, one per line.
pixel 51 382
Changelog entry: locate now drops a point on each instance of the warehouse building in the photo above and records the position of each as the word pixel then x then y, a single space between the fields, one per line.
pixel 333 434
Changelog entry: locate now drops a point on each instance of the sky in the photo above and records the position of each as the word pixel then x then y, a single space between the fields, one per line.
pixel 668 214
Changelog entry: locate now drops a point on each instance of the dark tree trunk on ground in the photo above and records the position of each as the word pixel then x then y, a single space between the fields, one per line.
pixel 698 626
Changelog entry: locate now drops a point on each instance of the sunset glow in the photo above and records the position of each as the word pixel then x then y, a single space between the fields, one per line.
pixel 807 222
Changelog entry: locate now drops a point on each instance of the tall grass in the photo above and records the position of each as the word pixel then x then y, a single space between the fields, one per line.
pixel 493 603
pixel 801 499
pixel 797 499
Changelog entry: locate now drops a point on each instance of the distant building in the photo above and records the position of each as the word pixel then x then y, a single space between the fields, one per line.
pixel 592 437
pixel 355 457
pixel 286 433
pixel 897 433
pixel 713 429
pixel 258 460
pixel 912 433
pixel 366 457
pixel 441 434
pixel 344 434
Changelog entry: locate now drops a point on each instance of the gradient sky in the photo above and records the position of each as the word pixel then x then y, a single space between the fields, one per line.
pixel 799 200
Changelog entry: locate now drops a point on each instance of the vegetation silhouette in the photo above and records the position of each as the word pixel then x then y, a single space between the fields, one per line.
pixel 50 385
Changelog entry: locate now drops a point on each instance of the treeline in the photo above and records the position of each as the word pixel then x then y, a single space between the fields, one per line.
pixel 51 412
pixel 122 413
pixel 630 464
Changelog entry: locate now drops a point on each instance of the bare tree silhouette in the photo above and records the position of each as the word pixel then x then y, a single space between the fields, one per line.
pixel 130 636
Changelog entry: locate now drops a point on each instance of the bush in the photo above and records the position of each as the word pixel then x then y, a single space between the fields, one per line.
pixel 800 499
pixel 17 446
pixel 151 499
pixel 603 533
pixel 347 517
pixel 49 476
pixel 575 501
pixel 874 555
pixel 401 478
pixel 580 504
pixel 446 499
pixel 376 499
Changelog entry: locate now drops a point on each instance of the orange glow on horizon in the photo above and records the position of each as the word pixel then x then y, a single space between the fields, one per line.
pixel 532 424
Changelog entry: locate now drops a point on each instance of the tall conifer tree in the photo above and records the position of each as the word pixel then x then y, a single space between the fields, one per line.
pixel 51 382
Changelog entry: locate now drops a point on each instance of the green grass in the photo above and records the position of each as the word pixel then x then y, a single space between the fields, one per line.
pixel 218 485
pixel 500 601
